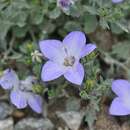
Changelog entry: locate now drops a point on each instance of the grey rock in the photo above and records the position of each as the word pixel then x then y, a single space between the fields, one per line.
pixel 34 124
pixel 73 104
pixel 6 124
pixel 72 119
pixel 5 110
pixel 125 126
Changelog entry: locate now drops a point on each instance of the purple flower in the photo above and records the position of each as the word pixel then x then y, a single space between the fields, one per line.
pixel 65 4
pixel 21 91
pixel 8 79
pixel 121 104
pixel 117 1
pixel 64 57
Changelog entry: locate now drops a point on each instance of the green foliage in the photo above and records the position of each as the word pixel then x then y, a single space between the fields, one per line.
pixel 26 20
pixel 90 23
pixel 38 89
pixel 25 17
pixel 91 113
pixel 94 88
pixel 121 50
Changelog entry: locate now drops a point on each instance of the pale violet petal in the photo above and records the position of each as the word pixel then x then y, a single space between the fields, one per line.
pixel 30 80
pixel 117 1
pixel 9 79
pixel 35 102
pixel 88 49
pixel 121 87
pixel 117 108
pixel 51 71
pixel 18 98
pixel 28 83
pixel 75 75
pixel 74 42
pixel 52 49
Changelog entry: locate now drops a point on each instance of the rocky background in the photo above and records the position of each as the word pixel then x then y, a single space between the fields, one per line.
pixel 66 112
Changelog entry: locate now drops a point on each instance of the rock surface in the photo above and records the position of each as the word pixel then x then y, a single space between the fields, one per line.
pixel 125 126
pixel 5 110
pixel 6 124
pixel 73 104
pixel 72 119
pixel 34 124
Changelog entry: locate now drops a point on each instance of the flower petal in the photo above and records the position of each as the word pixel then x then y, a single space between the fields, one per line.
pixel 74 42
pixel 75 75
pixel 121 87
pixel 52 49
pixel 51 71
pixel 35 102
pixel 27 84
pixel 18 98
pixel 117 1
pixel 117 108
pixel 88 49
pixel 9 79
pixel 64 4
pixel 30 80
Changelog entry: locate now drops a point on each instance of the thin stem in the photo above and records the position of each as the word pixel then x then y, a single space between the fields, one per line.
pixel 32 36
pixel 11 43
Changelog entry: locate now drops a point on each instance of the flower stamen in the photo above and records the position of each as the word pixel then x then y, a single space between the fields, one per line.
pixel 69 61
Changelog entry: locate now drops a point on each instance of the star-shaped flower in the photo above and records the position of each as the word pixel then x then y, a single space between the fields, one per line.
pixel 21 91
pixel 64 57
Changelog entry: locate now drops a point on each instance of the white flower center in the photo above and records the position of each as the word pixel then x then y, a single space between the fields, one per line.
pixel 69 61
pixel 25 87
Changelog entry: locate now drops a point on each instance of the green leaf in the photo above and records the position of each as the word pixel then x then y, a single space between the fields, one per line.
pixel 91 10
pixel 116 29
pixel 20 19
pixel 20 32
pixel 122 50
pixel 91 112
pixel 3 5
pixel 123 26
pixel 72 25
pixel 55 13
pixel 37 15
pixel 4 27
pixel 90 23
pixel 20 4
pixel 74 11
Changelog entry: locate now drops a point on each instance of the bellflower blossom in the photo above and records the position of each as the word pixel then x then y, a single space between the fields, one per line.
pixel 117 1
pixel 121 104
pixel 64 57
pixel 21 91
pixel 65 4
